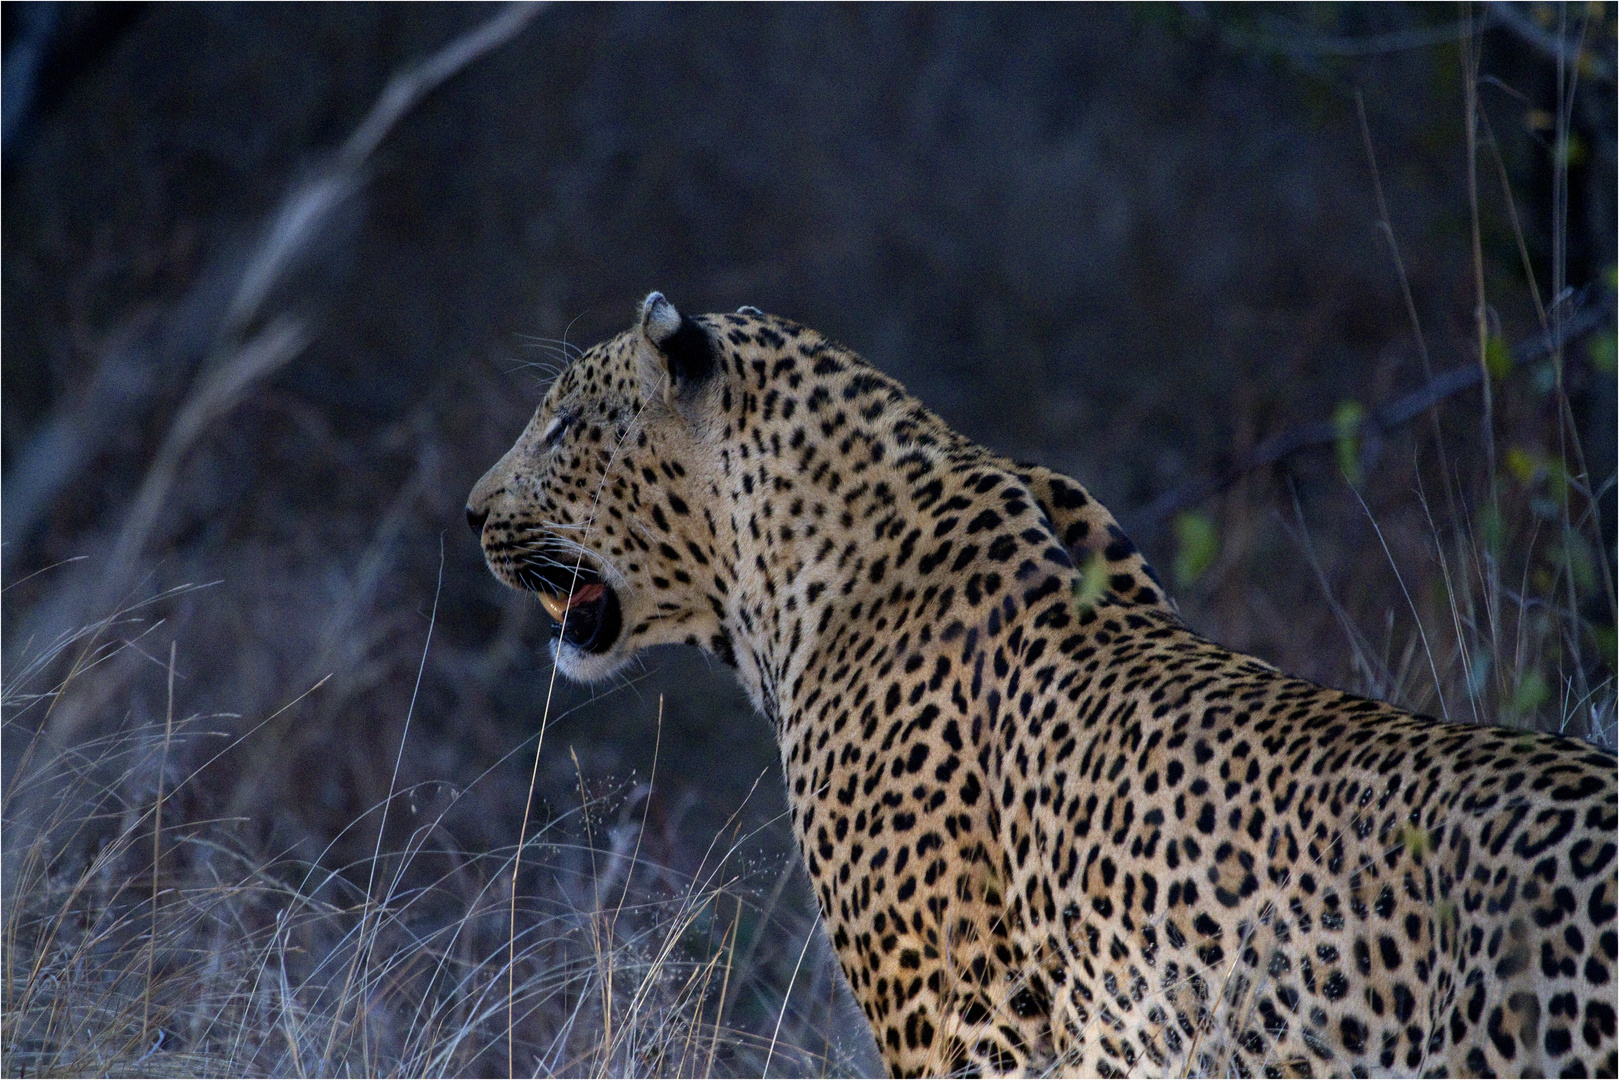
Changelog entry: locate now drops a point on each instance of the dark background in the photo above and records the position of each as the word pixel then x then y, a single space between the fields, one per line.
pixel 1128 242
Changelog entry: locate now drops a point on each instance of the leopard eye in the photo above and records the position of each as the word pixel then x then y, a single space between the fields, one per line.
pixel 553 431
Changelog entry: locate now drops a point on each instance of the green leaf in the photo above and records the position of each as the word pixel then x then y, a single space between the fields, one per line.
pixel 1092 583
pixel 1417 840
pixel 1543 476
pixel 1602 350
pixel 1576 554
pixel 1607 645
pixel 1196 545
pixel 1346 421
pixel 1570 151
pixel 1497 357
pixel 1524 465
pixel 1531 694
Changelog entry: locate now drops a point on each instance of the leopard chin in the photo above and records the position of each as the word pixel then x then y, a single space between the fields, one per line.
pixel 587 631
pixel 589 618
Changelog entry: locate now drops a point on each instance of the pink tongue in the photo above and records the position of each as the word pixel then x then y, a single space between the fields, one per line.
pixel 587 594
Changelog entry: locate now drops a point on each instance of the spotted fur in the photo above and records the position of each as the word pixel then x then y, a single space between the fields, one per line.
pixel 1052 829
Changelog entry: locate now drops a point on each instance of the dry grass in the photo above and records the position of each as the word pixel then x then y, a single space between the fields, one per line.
pixel 142 939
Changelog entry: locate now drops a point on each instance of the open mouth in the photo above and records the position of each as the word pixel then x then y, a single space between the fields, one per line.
pixel 585 608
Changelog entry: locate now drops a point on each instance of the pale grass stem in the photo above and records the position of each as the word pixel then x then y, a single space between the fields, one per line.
pixel 157 847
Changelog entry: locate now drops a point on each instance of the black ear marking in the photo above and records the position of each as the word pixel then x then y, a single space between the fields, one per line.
pixel 681 340
pixel 690 353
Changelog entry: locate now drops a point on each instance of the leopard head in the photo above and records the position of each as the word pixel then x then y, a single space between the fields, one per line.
pixel 605 506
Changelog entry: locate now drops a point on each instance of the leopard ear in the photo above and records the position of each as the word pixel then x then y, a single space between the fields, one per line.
pixel 680 353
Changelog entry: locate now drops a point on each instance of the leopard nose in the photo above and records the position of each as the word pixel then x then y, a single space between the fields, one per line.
pixel 476 518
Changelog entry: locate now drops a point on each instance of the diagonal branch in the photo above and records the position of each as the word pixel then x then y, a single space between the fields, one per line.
pixel 240 361
pixel 244 337
pixel 1151 517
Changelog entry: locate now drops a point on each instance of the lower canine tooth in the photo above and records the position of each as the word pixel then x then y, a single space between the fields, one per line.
pixel 555 606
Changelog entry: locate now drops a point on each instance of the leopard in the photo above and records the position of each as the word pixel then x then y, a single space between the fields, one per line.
pixel 1052 829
